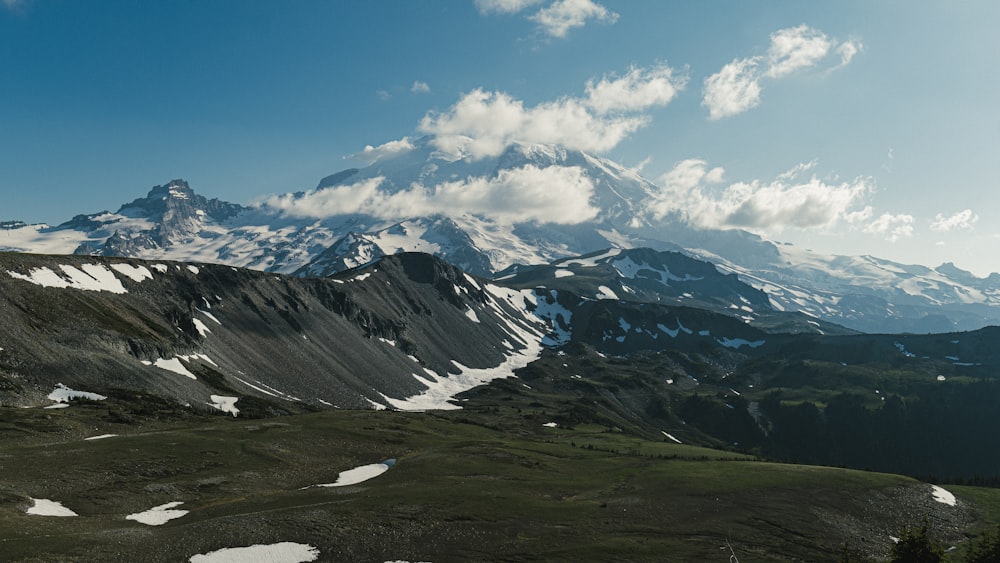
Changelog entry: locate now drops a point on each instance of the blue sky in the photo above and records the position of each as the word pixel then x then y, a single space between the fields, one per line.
pixel 845 127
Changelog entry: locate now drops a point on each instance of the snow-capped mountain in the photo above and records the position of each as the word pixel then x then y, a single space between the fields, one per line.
pixel 458 207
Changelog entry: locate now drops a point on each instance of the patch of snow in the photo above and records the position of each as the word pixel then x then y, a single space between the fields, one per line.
pixel 193 269
pixel 561 273
pixel 671 437
pixel 550 425
pixel 472 281
pixel 46 507
pixel 92 277
pixel 174 365
pixel 225 404
pixel 101 437
pixel 162 268
pixel 360 474
pixel 210 316
pixel 283 552
pixel 593 260
pixel 158 515
pixel 63 394
pixel 604 292
pixel 941 378
pixel 201 327
pixel 943 495
pixel 471 314
pixel 134 273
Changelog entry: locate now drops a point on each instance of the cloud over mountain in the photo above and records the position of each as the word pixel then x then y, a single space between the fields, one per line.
pixel 761 206
pixel 554 194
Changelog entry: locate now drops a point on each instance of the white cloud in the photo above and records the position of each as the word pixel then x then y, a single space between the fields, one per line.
pixel 563 15
pixel 503 6
pixel 383 95
pixel 370 154
pixel 420 87
pixel 796 48
pixel 689 174
pixel 965 220
pixel 736 88
pixel 639 89
pixel 555 194
pixel 892 227
pixel 732 90
pixel 485 123
pixel 765 207
pixel 847 50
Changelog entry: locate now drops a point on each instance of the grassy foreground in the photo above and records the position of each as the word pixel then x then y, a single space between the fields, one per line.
pixel 461 491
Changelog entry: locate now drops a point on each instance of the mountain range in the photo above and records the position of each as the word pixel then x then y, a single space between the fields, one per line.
pixel 358 215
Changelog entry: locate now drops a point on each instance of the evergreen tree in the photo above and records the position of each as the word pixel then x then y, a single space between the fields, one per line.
pixel 917 546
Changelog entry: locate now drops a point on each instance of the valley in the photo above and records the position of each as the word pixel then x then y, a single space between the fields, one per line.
pixel 684 419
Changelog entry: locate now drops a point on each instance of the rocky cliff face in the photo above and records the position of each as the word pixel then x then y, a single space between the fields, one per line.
pixel 403 328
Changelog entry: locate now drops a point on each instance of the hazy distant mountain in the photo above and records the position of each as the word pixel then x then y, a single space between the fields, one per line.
pixel 358 215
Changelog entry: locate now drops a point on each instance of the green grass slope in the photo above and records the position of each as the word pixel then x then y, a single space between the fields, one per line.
pixel 463 489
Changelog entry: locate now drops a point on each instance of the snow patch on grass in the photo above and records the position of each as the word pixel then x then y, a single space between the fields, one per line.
pixel 158 515
pixel 943 495
pixel 46 507
pixel 668 435
pixel 283 552
pixel 360 474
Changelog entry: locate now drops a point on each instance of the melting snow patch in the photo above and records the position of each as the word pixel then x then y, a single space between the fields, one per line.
pixel 174 365
pixel 158 515
pixel 563 273
pixel 671 437
pixel 101 437
pixel 162 268
pixel 135 273
pixel 93 277
pixel 201 327
pixel 471 314
pixel 550 425
pixel 604 292
pixel 210 316
pixel 284 552
pixel 193 269
pixel 225 404
pixel 360 474
pixel 593 260
pixel 943 495
pixel 46 507
pixel 63 394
